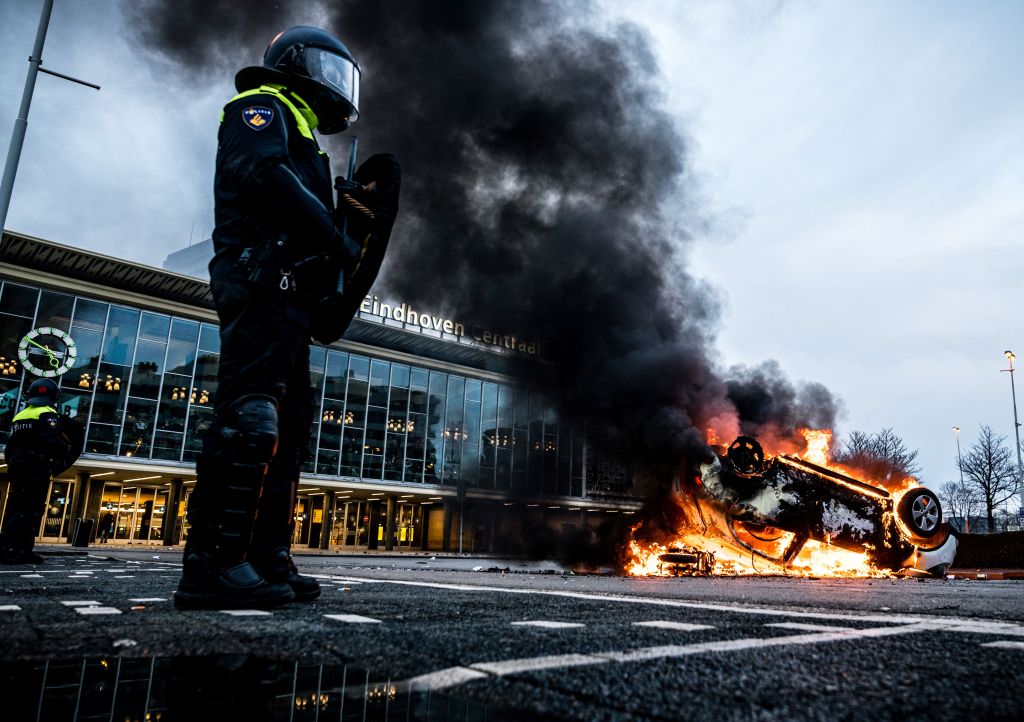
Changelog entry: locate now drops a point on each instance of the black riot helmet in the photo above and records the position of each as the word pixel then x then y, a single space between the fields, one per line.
pixel 42 392
pixel 317 66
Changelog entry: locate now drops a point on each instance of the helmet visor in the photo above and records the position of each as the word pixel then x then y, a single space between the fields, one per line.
pixel 337 73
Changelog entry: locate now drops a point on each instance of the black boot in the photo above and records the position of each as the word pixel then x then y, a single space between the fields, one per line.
pixel 18 554
pixel 277 567
pixel 209 584
pixel 222 511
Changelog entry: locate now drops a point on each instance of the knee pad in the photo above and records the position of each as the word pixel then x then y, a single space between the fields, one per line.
pixel 251 430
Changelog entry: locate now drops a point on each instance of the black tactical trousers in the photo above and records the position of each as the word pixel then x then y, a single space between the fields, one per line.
pixel 26 501
pixel 264 335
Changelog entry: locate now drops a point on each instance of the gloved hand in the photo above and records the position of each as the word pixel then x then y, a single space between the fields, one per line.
pixel 369 201
pixel 352 212
pixel 376 188
pixel 382 177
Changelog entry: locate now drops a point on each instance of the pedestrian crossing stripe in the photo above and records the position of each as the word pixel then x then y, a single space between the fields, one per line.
pixel 352 618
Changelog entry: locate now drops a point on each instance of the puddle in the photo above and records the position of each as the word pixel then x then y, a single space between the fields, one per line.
pixel 160 689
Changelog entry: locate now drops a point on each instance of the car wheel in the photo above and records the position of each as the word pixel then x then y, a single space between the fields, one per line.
pixel 746 456
pixel 920 511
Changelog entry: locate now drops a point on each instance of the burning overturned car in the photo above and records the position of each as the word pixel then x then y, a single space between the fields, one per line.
pixel 746 512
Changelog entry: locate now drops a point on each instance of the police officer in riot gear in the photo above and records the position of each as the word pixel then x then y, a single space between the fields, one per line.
pixel 37 449
pixel 288 265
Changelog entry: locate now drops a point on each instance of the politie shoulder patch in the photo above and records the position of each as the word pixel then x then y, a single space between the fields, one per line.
pixel 258 117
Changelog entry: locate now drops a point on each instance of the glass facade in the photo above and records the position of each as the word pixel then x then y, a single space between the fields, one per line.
pixel 145 382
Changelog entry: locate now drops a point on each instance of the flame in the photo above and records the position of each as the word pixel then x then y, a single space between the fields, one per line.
pixel 643 560
pixel 818 441
pixel 816 559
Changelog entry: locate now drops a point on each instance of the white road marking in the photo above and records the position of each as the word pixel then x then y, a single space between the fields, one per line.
pixel 80 603
pixel 545 624
pixel 1004 644
pixel 536 664
pixel 352 618
pixel 976 626
pixel 246 612
pixel 31 576
pixel 442 679
pixel 675 626
pixel 9 608
pixel 454 676
pixel 41 571
pixel 939 623
pixel 152 563
pixel 732 645
pixel 148 599
pixel 97 610
pixel 800 626
pixel 126 576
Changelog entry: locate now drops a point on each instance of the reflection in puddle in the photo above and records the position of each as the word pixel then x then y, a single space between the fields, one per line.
pixel 222 687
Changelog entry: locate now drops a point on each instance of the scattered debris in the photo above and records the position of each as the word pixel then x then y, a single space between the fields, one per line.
pixel 125 643
pixel 687 561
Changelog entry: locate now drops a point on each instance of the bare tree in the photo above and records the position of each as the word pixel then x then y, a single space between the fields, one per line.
pixel 883 456
pixel 960 499
pixel 990 467
pixel 1004 519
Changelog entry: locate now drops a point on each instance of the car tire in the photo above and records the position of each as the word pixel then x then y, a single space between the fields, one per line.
pixel 746 456
pixel 921 512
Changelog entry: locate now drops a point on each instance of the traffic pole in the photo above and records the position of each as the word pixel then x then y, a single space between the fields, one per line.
pixel 35 66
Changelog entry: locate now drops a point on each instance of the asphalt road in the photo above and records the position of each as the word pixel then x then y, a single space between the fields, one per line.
pixel 415 638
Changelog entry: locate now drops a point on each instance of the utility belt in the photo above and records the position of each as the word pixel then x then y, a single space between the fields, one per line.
pixel 267 266
pixel 272 267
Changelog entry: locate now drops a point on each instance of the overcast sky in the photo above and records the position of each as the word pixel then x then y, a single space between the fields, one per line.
pixel 862 162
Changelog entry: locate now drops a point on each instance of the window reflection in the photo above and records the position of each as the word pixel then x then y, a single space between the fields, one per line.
pixel 317 360
pixel 18 300
pixel 138 428
pixel 55 310
pixel 332 417
pixel 149 356
pixel 146 382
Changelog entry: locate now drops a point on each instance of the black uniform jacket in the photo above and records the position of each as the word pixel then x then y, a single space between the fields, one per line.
pixel 37 438
pixel 271 181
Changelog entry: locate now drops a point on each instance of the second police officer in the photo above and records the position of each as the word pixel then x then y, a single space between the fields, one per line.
pixel 43 443
pixel 288 265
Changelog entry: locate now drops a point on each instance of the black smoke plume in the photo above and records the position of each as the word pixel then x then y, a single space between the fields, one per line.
pixel 546 194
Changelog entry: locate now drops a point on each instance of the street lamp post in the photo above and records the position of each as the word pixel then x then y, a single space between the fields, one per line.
pixel 35 66
pixel 1016 426
pixel 960 465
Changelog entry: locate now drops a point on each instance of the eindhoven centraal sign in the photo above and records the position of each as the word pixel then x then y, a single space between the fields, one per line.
pixel 405 313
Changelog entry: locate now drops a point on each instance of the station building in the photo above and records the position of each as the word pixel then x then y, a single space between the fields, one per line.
pixel 428 434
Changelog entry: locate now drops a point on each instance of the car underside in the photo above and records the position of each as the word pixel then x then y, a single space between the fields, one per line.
pixel 771 508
